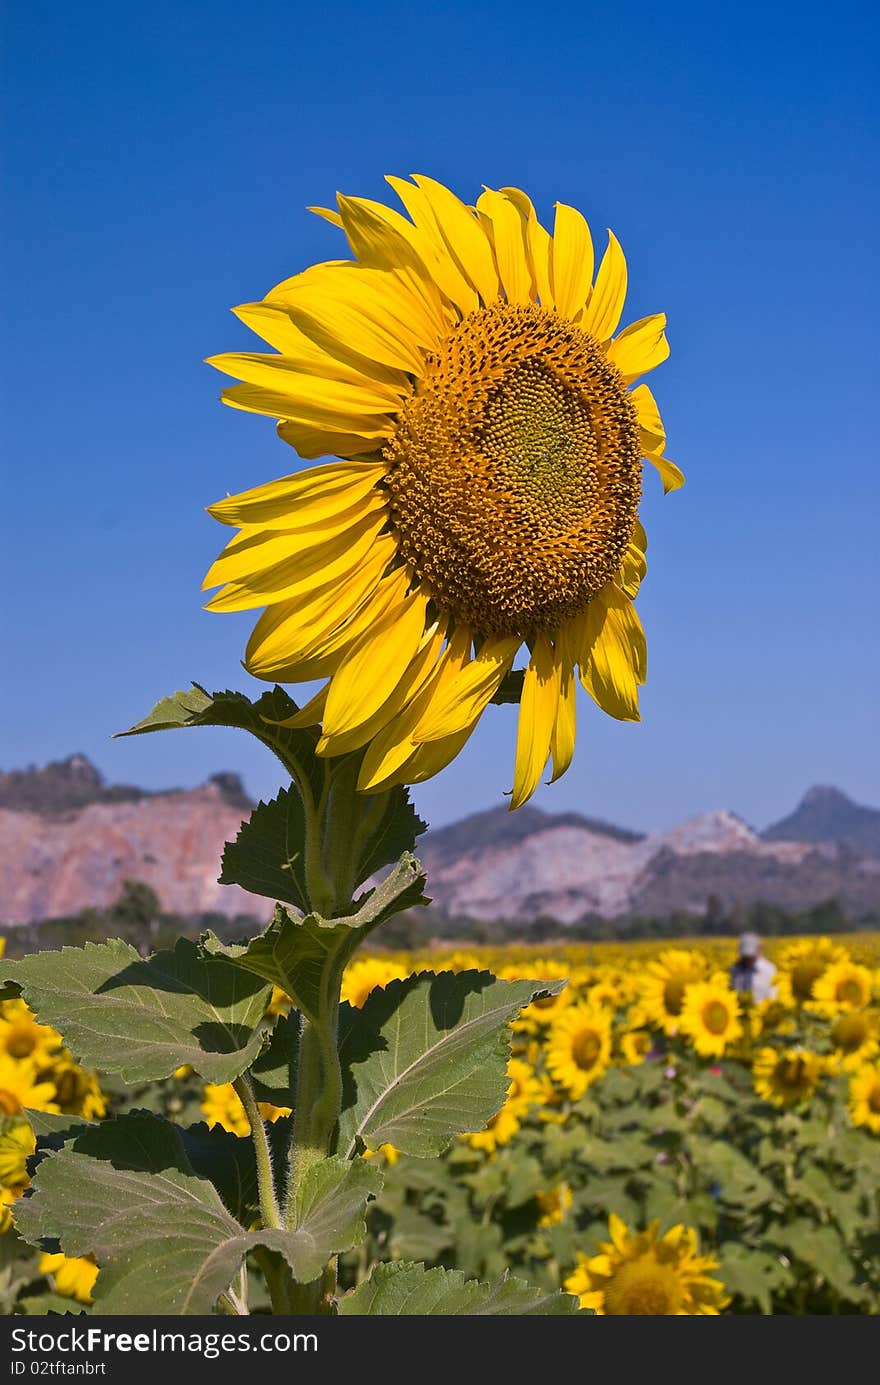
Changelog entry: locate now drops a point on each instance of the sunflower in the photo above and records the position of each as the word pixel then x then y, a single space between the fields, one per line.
pixel 21 1086
pixel 74 1276
pixel 221 1105
pixel 464 368
pixel 579 1048
pixel 710 1016
pixel 362 977
pixel 644 1273
pixel 498 1131
pixel 800 966
pixel 553 1204
pixel 842 986
pixel 77 1090
pixel 787 1077
pixel 17 1144
pixel 21 1036
pixel 854 1036
pixel 390 1153
pixel 864 1097
pixel 661 987
pixel 536 1017
pixel 635 1045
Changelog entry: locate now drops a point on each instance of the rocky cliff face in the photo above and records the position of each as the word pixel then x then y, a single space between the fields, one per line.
pixel 52 866
pixel 68 841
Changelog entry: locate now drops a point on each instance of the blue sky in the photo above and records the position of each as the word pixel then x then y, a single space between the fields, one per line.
pixel 160 159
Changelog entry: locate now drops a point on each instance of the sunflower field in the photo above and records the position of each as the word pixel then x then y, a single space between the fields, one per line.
pixel 664 1147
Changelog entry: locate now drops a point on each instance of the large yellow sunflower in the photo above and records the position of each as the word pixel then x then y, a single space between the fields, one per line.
pixel 864 1097
pixel 800 966
pixel 661 987
pixel 787 1077
pixel 854 1035
pixel 464 367
pixel 710 1016
pixel 579 1048
pixel 644 1273
pixel 844 986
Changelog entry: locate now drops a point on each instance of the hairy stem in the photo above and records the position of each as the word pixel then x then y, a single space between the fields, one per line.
pixel 269 1209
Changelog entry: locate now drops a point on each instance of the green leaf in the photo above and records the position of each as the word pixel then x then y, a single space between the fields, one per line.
pixel 740 1182
pixel 197 707
pixel 229 1162
pixel 50 1125
pixel 426 1058
pixel 127 1193
pixel 511 686
pixel 39 1304
pixel 402 1290
pixel 821 1249
pixel 273 1073
pixel 368 831
pixel 305 956
pixel 143 1018
pixel 266 857
pixel 752 1274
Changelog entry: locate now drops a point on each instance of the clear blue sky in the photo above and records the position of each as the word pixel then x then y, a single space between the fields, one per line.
pixel 160 158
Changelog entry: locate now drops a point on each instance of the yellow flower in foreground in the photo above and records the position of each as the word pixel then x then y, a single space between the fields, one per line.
pixel 579 1048
pixel 787 1077
pixel 74 1276
pixel 554 1204
pixel 864 1097
pixel 22 1037
pixel 854 1036
pixel 465 368
pixel 221 1105
pixel 661 986
pixel 21 1086
pixel 647 1274
pixel 710 1016
pixel 77 1090
pixel 842 986
pixel 361 977
pixel 17 1144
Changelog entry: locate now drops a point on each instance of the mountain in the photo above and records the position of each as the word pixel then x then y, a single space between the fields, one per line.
pixel 68 841
pixel 824 814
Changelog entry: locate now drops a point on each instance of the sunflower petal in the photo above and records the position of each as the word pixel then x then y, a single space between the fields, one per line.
pixel 562 739
pixel 641 347
pixel 312 442
pixel 653 434
pixel 602 313
pixel 255 400
pixel 389 751
pixel 375 665
pixel 462 235
pixel 408 686
pixel 572 260
pixel 271 504
pixel 445 269
pixel 537 713
pixel 465 697
pixel 328 213
pixel 506 228
pixel 671 475
pixel 614 659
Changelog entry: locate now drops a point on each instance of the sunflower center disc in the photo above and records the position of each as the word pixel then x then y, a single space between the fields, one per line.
pixel 643 1287
pixel 715 1017
pixel 515 471
pixel 585 1049
pixel 874 1101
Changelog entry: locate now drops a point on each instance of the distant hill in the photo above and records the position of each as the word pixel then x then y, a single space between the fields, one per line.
pixel 825 814
pixel 69 842
pixel 498 827
pixel 64 786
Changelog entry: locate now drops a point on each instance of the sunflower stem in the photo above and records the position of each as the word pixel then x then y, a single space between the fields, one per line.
pixel 269 1209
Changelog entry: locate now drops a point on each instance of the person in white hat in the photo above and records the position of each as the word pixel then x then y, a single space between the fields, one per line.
pixel 751 972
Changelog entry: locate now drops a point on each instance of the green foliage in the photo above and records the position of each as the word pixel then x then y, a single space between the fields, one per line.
pixel 127 1193
pixel 426 1058
pixel 144 1018
pixel 305 957
pixel 410 1290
